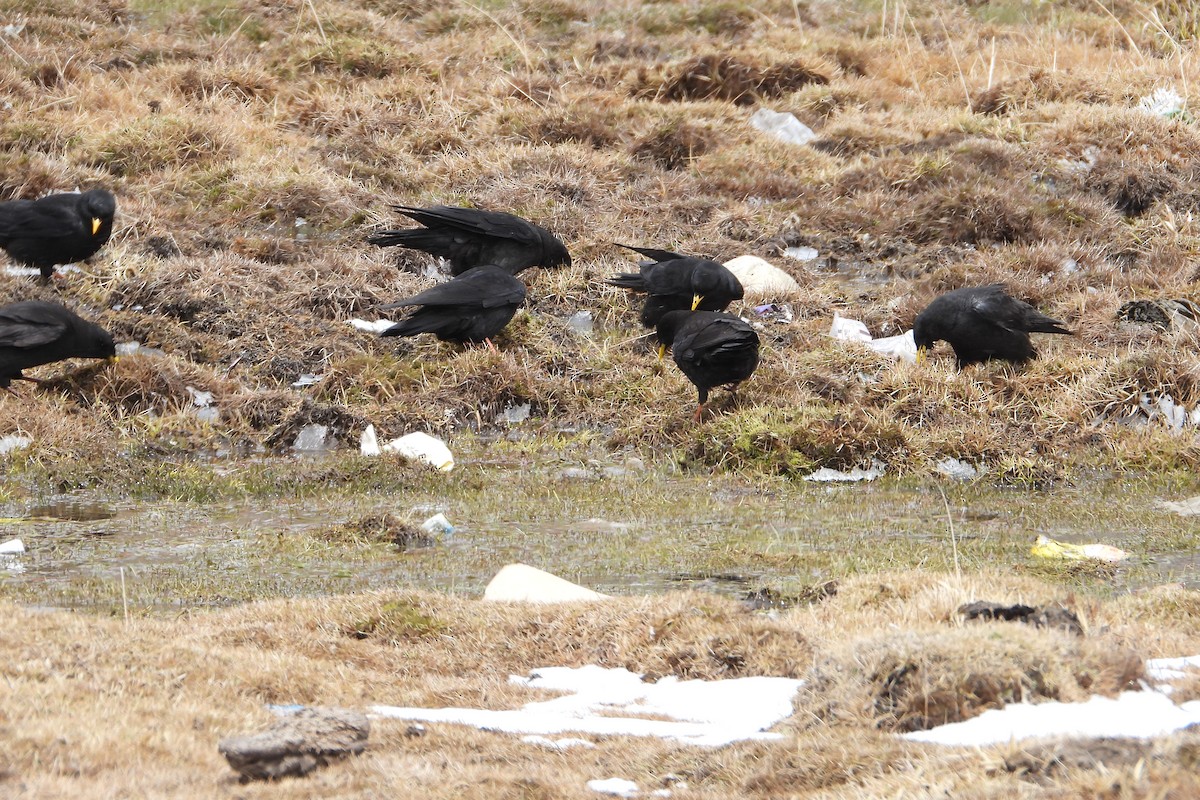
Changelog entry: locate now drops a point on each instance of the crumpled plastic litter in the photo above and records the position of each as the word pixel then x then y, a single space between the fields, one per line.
pixel 438 524
pixel 782 126
pixel 853 330
pixel 1046 547
pixel 1163 102
pixel 378 326
pixel 414 446
pixel 14 441
pixel 8 555
pixel 827 475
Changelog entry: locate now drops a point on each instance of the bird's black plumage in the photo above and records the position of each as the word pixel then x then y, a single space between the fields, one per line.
pixel 672 282
pixel 472 307
pixel 711 348
pixel 58 229
pixel 469 237
pixel 34 332
pixel 983 323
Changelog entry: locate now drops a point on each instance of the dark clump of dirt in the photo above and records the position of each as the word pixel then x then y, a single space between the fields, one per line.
pixel 722 77
pixel 673 145
pixel 1131 188
pixel 383 528
pixel 1038 616
pixel 1040 86
pixel 341 423
pixel 767 598
pixel 1041 761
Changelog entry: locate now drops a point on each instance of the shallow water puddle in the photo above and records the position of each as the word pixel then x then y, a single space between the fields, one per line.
pixel 642 532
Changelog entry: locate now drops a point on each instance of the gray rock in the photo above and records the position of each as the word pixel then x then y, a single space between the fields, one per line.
pixel 297 744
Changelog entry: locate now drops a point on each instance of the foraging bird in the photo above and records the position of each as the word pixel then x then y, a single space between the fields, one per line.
pixel 34 332
pixel 473 307
pixel 677 282
pixel 711 348
pixel 58 229
pixel 982 323
pixel 469 237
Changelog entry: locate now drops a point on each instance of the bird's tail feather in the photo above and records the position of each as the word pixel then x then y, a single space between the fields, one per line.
pixel 416 238
pixel 628 280
pixel 1043 324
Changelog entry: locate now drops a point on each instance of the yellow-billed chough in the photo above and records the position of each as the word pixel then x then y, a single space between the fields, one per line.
pixel 676 282
pixel 472 307
pixel 469 237
pixel 35 332
pixel 982 323
pixel 58 229
pixel 711 348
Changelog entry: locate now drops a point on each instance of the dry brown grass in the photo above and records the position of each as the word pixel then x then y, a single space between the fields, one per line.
pixel 168 689
pixel 608 132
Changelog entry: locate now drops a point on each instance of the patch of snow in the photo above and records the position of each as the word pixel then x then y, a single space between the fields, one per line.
pixel 617 787
pixel 613 701
pixel 565 743
pixel 1137 715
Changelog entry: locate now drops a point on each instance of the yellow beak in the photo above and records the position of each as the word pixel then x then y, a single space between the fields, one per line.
pixel 95 225
pixel 922 355
pixel 696 301
pixel 662 351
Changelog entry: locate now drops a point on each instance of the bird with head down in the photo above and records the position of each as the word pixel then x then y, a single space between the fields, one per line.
pixel 57 229
pixel 471 237
pixel 674 282
pixel 982 323
pixel 710 347
pixel 35 332
pixel 471 308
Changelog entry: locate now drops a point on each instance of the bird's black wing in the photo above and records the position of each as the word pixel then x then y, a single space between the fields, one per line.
pixel 493 224
pixel 650 252
pixel 717 335
pixel 481 287
pixel 685 276
pixel 993 306
pixel 30 327
pixel 26 219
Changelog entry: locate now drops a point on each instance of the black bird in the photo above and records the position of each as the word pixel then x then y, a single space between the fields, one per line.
pixel 469 237
pixel 58 229
pixel 982 323
pixel 711 348
pixel 35 332
pixel 473 307
pixel 677 282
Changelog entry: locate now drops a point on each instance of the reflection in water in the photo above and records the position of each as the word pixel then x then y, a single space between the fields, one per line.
pixel 71 511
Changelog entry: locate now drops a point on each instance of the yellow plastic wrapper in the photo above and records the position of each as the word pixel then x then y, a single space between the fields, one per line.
pixel 1046 547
